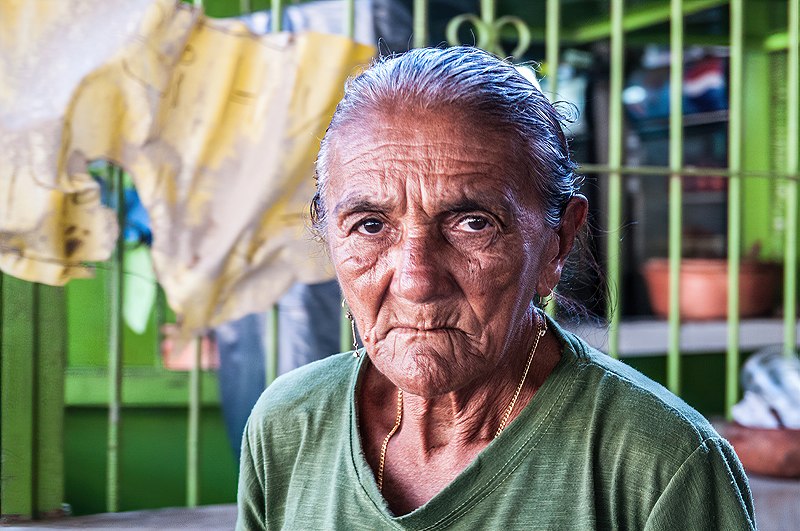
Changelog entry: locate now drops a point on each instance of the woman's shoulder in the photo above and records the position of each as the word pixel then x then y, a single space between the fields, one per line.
pixel 628 398
pixel 312 388
pixel 649 448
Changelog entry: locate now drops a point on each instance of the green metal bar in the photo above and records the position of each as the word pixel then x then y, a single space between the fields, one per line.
pixel 776 42
pixel 488 11
pixel 276 16
pixel 245 7
pixel 792 145
pixel 271 350
pixel 49 406
pixel 345 332
pixel 36 327
pixel 675 194
pixel 734 201
pixel 655 171
pixel 552 44
pixel 638 17
pixel 552 49
pixel 16 399
pixel 617 60
pixel 116 295
pixel 646 38
pixel 193 436
pixel 271 361
pixel 350 18
pixel 144 387
pixel 420 39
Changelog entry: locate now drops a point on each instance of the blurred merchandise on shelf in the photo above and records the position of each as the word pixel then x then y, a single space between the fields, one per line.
pixel 705 89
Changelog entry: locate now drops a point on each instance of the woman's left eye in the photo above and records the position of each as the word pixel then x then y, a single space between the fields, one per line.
pixel 474 223
pixel 370 226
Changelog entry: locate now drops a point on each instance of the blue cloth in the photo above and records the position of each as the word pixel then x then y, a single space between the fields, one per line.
pixel 308 330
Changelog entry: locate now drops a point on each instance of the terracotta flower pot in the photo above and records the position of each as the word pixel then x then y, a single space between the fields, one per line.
pixel 704 287
pixel 767 452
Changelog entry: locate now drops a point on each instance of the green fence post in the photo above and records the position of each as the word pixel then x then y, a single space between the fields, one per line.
pixel 420 37
pixel 277 16
pixel 488 10
pixel 792 167
pixel 272 345
pixel 350 18
pixel 193 436
pixel 617 60
pixel 16 400
pixel 51 333
pixel 345 332
pixel 734 201
pixel 552 45
pixel 116 283
pixel 675 193
pixel 271 350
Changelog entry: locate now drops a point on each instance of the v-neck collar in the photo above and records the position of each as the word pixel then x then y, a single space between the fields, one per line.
pixel 489 468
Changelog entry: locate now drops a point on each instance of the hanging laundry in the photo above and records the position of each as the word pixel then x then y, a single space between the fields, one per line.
pixel 218 128
pixel 323 16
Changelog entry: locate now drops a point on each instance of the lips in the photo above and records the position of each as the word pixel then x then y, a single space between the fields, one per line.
pixel 414 329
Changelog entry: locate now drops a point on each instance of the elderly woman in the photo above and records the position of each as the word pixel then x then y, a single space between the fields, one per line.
pixel 449 203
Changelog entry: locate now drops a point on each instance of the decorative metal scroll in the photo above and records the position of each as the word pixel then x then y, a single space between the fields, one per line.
pixel 488 30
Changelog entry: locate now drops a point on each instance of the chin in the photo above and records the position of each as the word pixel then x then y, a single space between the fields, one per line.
pixel 427 365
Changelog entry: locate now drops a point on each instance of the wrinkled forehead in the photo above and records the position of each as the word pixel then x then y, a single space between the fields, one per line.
pixel 435 149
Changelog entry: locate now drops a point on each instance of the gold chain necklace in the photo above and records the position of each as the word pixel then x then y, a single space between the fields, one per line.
pixel 397 420
pixel 541 330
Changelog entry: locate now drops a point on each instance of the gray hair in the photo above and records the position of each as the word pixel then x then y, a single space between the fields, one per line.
pixel 481 85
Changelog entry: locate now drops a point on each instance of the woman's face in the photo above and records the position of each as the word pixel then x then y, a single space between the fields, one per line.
pixel 439 245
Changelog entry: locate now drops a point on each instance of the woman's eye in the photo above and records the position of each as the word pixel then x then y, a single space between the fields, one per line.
pixel 474 223
pixel 370 226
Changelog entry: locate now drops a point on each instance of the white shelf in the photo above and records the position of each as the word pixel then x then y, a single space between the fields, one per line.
pixel 650 337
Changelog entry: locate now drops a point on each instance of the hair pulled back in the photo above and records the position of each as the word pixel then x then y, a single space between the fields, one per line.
pixel 477 83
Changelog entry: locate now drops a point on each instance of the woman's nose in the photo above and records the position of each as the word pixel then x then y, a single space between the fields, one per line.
pixel 421 273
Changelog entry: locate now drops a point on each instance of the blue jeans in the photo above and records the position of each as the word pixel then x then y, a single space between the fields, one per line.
pixel 308 330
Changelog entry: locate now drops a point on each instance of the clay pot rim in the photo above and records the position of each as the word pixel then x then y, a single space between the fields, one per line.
pixel 765 431
pixel 710 264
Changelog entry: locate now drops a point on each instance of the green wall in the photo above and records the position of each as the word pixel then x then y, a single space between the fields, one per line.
pixel 702 379
pixel 154 417
pixel 153 460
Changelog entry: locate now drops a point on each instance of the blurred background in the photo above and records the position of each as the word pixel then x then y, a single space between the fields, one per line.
pixel 128 390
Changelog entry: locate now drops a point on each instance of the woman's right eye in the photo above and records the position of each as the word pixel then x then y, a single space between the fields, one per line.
pixel 370 226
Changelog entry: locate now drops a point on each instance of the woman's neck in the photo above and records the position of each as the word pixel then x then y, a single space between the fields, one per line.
pixel 443 434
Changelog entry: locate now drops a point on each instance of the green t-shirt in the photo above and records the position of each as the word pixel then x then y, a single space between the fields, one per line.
pixel 600 446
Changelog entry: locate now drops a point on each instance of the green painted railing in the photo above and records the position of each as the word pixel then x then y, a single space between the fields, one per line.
pixel 792 168
pixel 31 400
pixel 734 200
pixel 115 347
pixel 615 28
pixel 675 192
pixel 615 144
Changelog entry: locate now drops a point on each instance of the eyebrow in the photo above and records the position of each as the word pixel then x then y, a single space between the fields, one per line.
pixel 358 204
pixel 501 207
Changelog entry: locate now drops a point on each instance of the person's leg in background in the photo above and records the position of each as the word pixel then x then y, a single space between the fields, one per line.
pixel 308 324
pixel 241 372
pixel 308 330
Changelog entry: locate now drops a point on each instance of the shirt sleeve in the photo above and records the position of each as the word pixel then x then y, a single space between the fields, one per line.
pixel 709 491
pixel 251 497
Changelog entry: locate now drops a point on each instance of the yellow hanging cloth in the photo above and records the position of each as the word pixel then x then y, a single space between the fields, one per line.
pixel 218 127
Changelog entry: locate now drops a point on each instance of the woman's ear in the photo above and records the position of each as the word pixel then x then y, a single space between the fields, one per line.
pixel 572 221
